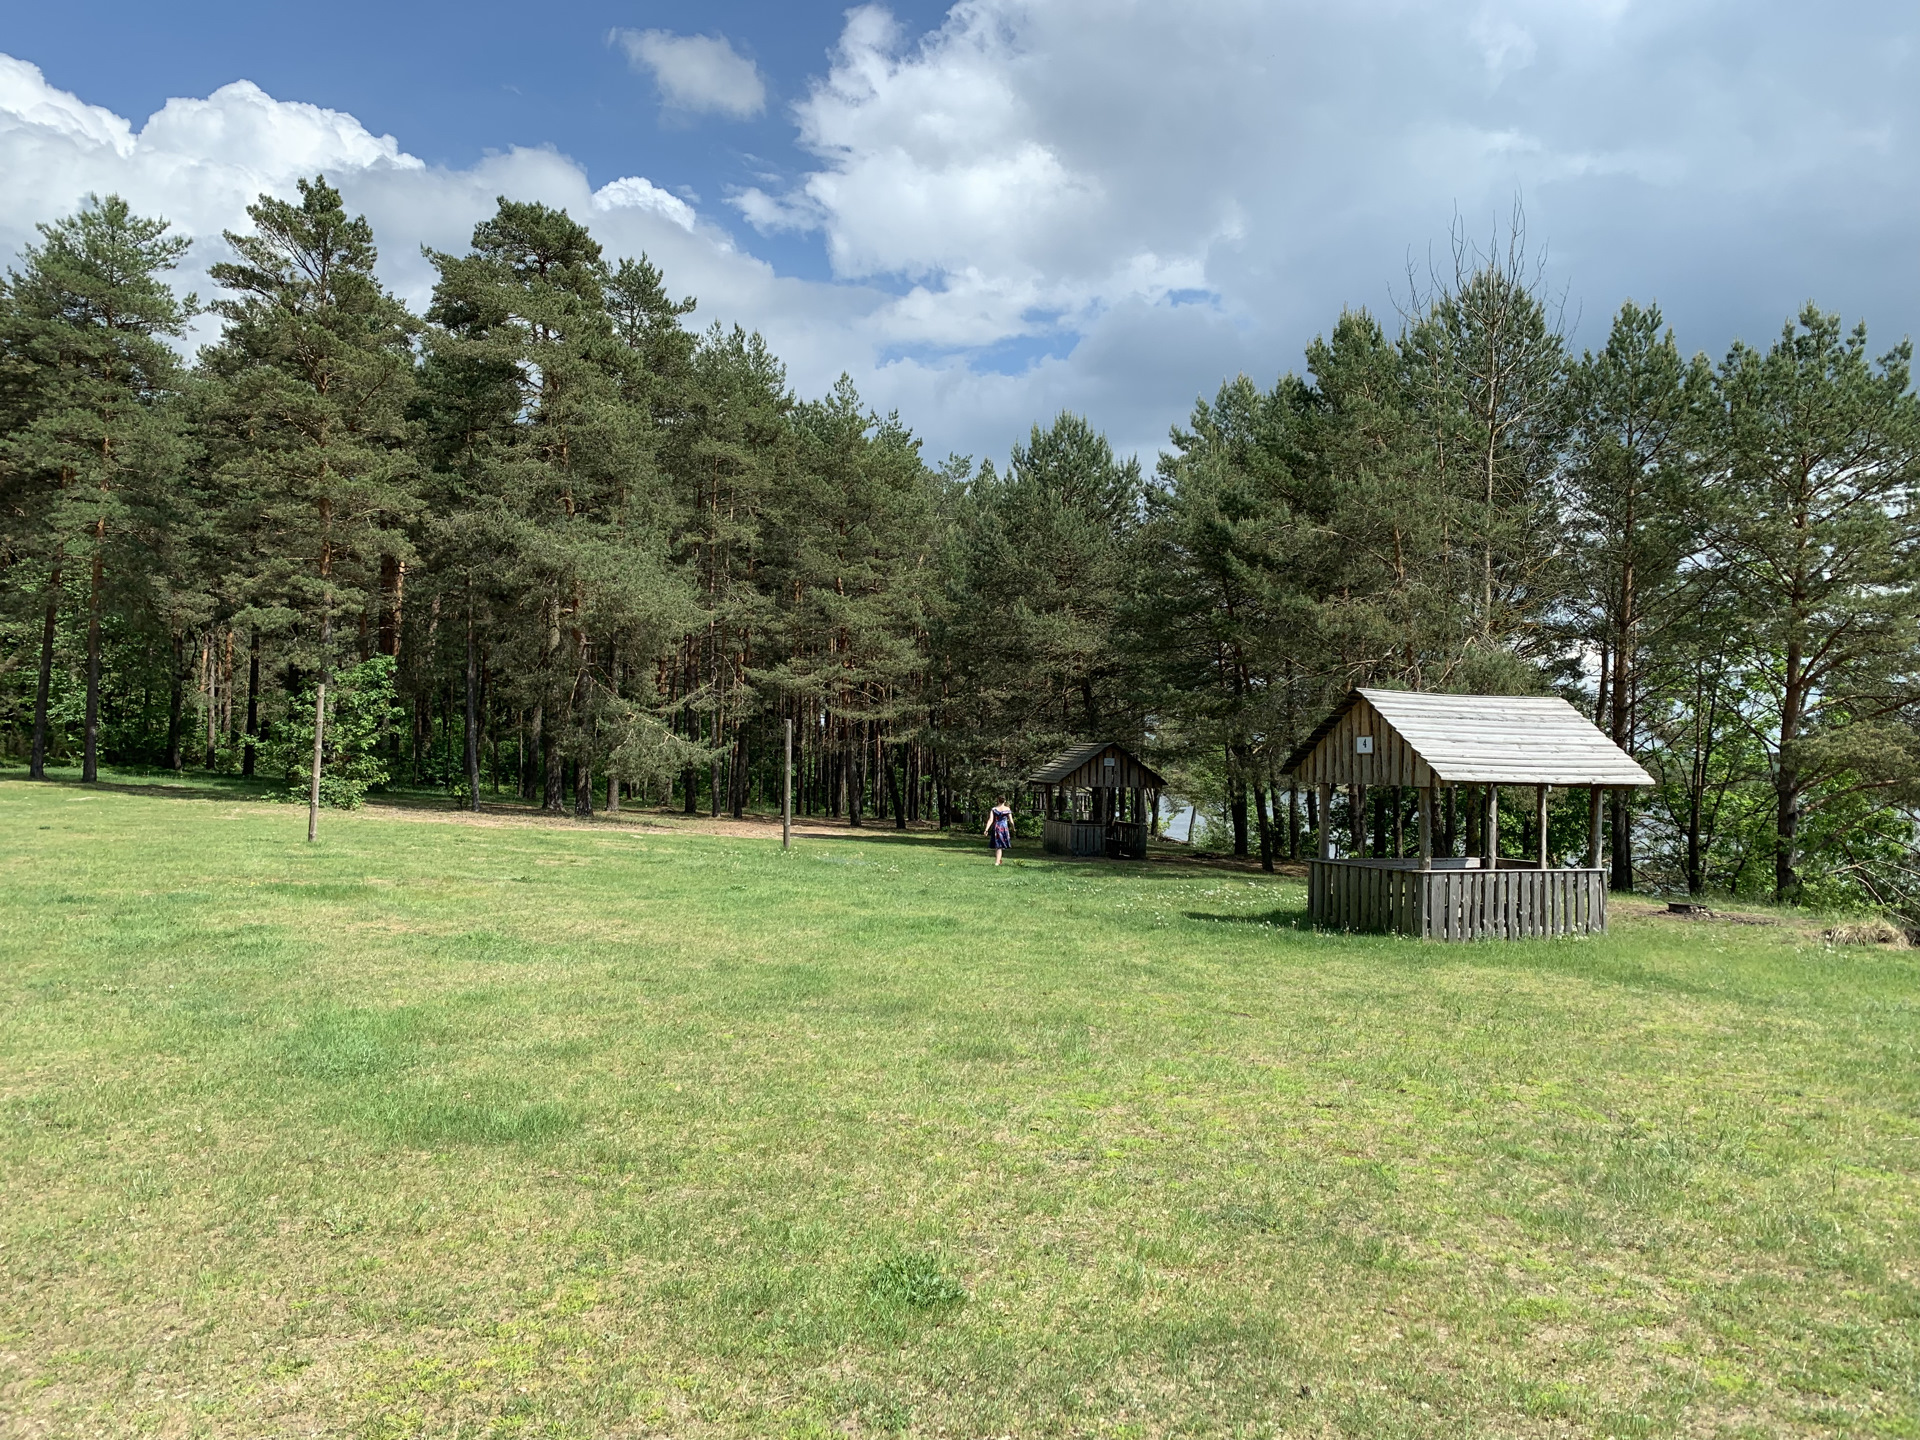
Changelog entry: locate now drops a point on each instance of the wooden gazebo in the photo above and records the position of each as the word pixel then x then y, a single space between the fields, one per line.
pixel 1433 745
pixel 1098 799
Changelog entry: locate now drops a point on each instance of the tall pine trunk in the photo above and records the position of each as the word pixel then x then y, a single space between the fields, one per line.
pixel 741 775
pixel 37 764
pixel 211 667
pixel 319 722
pixel 1696 879
pixel 1620 811
pixel 473 713
pixel 579 696
pixel 1237 801
pixel 893 785
pixel 393 585
pixel 1786 779
pixel 533 751
pixel 253 706
pixel 613 688
pixel 856 775
pixel 90 754
pixel 1266 830
pixel 176 703
pixel 553 788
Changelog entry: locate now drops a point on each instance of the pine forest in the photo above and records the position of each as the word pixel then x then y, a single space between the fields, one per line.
pixel 550 542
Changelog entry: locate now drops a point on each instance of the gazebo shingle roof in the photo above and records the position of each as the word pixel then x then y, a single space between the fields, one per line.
pixel 1491 739
pixel 1064 765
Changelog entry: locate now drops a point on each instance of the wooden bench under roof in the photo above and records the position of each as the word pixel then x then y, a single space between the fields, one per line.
pixel 1433 744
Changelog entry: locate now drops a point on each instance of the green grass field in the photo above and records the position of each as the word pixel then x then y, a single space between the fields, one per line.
pixel 601 1130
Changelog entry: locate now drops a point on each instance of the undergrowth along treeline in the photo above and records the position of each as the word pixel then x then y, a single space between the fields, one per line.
pixel 548 540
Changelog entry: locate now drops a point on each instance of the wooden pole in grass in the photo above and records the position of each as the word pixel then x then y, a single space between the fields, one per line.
pixel 1540 821
pixel 1593 827
pixel 319 742
pixel 320 714
pixel 786 793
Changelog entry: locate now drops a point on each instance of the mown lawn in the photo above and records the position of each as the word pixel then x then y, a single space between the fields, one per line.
pixel 453 1129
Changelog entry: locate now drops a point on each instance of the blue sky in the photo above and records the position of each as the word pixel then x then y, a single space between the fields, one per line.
pixel 990 212
pixel 454 81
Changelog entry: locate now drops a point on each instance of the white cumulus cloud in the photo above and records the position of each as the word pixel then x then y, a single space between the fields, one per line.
pixel 700 74
pixel 636 192
pixel 201 162
pixel 942 168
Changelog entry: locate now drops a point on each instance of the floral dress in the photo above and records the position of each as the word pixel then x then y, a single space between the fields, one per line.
pixel 1000 829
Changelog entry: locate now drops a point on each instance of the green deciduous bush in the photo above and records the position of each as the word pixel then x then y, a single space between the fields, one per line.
pixel 360 713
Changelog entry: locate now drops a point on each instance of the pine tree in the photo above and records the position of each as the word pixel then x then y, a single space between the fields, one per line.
pixel 537 398
pixel 1043 574
pixel 306 423
pixel 1222 622
pixel 1634 519
pixel 1815 528
pixel 94 435
pixel 1488 377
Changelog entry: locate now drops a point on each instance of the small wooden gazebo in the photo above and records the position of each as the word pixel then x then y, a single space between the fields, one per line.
pixel 1435 744
pixel 1098 799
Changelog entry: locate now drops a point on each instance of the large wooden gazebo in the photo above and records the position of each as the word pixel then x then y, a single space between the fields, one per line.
pixel 1437 746
pixel 1097 799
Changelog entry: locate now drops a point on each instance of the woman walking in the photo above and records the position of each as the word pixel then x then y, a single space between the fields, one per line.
pixel 999 830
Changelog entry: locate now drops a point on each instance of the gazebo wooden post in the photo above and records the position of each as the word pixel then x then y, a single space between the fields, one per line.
pixel 1425 799
pixel 1540 821
pixel 1490 828
pixel 1593 826
pixel 1325 817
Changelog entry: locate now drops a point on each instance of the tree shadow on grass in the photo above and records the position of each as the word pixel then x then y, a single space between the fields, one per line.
pixel 163 785
pixel 1284 918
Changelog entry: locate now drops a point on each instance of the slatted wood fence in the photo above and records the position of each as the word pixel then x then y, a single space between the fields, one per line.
pixel 1120 840
pixel 1509 904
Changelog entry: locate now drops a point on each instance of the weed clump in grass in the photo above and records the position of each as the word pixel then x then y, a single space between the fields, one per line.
pixel 419 1116
pixel 914 1282
pixel 349 1044
pixel 1868 932
pixel 877 1410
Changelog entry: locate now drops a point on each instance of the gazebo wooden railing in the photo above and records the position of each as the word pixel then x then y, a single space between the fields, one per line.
pixel 1092 839
pixel 1516 901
